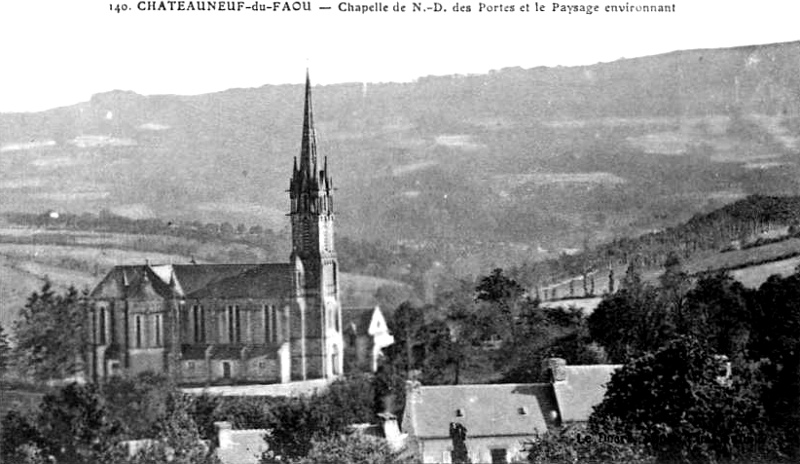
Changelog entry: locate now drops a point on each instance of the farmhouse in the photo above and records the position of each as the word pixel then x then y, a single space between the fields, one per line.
pixel 497 420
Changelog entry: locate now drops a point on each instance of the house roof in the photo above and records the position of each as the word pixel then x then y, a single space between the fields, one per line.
pixel 485 410
pixel 357 320
pixel 582 389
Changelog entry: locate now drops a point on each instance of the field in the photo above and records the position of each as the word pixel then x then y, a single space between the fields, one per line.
pixel 748 257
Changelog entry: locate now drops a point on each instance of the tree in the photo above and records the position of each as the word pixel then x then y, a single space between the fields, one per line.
pixel 675 285
pixel 775 335
pixel 577 444
pixel 51 334
pixel 676 404
pixel 5 352
pixel 176 440
pixel 501 291
pixel 545 333
pixel 406 325
pixel 226 229
pixel 19 438
pixel 75 427
pixel 632 321
pixel 298 422
pixel 139 402
pixel 720 314
pixel 352 449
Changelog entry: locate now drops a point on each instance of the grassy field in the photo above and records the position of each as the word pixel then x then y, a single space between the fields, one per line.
pixel 66 258
pixel 754 276
pixel 748 257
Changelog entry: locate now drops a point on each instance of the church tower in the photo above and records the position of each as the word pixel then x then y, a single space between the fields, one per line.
pixel 316 337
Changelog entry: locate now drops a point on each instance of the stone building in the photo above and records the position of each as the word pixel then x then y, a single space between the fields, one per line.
pixel 496 421
pixel 233 323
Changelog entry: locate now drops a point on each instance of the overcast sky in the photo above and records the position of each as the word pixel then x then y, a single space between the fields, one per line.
pixel 60 52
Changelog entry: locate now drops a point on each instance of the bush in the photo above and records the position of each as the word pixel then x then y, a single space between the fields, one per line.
pixel 578 444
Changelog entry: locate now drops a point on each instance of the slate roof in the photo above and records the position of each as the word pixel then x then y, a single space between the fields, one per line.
pixel 194 277
pixel 232 352
pixel 357 320
pixel 135 282
pixel 486 410
pixel 582 389
pixel 260 281
pixel 189 352
pixel 196 281
pixel 269 350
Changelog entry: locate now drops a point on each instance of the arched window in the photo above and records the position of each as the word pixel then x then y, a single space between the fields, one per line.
pixel 102 326
pixel 138 323
pixel 157 334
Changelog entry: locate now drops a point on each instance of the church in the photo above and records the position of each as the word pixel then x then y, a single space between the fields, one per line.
pixel 232 323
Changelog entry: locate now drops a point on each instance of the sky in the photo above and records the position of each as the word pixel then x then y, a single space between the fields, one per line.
pixel 60 52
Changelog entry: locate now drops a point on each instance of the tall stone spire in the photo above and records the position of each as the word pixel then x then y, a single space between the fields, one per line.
pixel 310 188
pixel 308 148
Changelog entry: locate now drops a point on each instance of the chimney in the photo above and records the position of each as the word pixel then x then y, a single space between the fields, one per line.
pixel 391 431
pixel 412 388
pixel 224 433
pixel 554 369
pixel 413 400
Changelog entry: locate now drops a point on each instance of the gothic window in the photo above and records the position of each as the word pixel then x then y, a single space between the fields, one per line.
pixel 271 323
pixel 335 360
pixel 196 324
pixel 202 336
pixel 138 324
pixel 93 314
pixel 222 327
pixel 157 331
pixel 234 324
pixel 102 338
pixel 238 332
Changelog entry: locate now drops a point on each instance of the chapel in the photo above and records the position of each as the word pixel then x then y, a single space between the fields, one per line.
pixel 232 323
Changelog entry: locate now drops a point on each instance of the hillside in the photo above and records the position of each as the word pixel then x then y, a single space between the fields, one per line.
pixel 752 239
pixel 479 170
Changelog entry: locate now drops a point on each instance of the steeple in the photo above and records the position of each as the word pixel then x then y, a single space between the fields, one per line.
pixel 310 188
pixel 308 148
pixel 316 338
